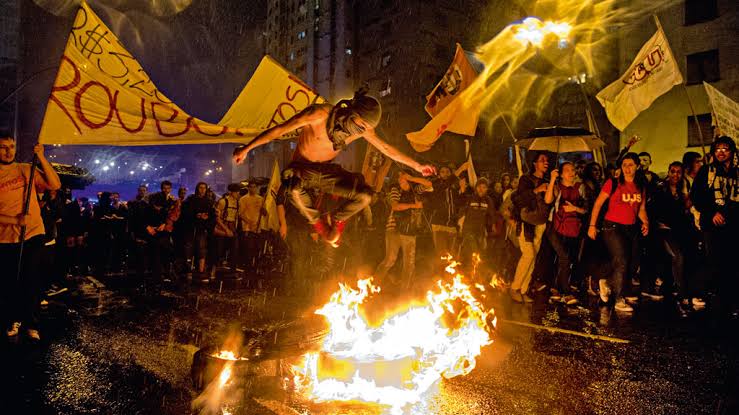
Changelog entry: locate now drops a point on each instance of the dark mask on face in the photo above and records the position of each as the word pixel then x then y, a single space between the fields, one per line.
pixel 342 122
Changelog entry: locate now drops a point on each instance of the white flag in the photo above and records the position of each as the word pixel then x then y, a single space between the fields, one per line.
pixel 653 73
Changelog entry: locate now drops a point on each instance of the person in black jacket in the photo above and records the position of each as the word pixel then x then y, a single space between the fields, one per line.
pixel 476 216
pixel 530 187
pixel 671 221
pixel 198 220
pixel 715 194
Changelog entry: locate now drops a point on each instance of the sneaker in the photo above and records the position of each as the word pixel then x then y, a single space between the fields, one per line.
pixel 516 296
pixel 698 302
pixel 33 334
pixel 44 303
pixel 321 228
pixel 658 282
pixel 527 299
pixel 334 235
pixel 635 282
pixel 569 300
pixel 631 299
pixel 14 328
pixel 554 295
pixel 603 290
pixel 622 306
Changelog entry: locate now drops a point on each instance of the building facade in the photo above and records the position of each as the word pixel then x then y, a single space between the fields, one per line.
pixel 9 47
pixel 703 38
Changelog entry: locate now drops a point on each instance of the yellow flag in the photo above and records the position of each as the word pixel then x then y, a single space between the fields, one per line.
pixel 102 95
pixel 653 73
pixel 447 104
pixel 457 78
pixel 455 117
pixel 271 97
pixel 272 221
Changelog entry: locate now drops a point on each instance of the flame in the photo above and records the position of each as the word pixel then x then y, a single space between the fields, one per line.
pixel 227 355
pixel 398 361
pixel 225 375
pixel 570 41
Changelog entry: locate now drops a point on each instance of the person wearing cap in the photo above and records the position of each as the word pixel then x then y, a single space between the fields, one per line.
pixel 715 194
pixel 325 130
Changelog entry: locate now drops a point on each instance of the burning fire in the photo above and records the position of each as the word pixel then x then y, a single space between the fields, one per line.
pixel 396 362
pixel 227 355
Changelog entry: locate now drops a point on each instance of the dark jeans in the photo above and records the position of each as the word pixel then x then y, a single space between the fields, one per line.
pixel 159 249
pixel 21 296
pixel 306 178
pixel 227 248
pixel 622 242
pixel 196 244
pixel 670 244
pixel 566 249
pixel 251 248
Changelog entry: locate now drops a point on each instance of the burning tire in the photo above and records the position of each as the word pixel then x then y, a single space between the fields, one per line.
pixel 287 340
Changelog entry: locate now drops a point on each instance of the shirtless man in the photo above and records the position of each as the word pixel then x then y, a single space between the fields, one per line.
pixel 325 130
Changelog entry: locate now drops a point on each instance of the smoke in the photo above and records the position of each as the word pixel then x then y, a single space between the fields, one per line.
pixel 528 60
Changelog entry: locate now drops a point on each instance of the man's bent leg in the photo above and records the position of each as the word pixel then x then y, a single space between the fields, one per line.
pixel 408 244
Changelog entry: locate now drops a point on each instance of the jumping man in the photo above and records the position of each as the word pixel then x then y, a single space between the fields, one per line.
pixel 325 130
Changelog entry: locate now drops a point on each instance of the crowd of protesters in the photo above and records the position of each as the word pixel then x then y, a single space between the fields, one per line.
pixel 566 231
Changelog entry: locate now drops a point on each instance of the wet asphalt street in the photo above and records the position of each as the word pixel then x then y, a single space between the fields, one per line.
pixel 110 348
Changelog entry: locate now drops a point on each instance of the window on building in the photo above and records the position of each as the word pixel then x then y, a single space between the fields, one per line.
pixel 318 4
pixel 301 35
pixel 699 11
pixel 704 120
pixel 703 66
pixel 386 60
pixel 292 56
pixel 348 51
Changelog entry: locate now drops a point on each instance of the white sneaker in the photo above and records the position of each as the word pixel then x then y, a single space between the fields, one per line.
pixel 603 290
pixel 14 328
pixel 622 306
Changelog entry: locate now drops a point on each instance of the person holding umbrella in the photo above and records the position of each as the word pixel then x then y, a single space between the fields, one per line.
pixel 22 233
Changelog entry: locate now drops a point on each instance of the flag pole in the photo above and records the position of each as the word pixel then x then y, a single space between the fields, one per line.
pixel 26 208
pixel 685 88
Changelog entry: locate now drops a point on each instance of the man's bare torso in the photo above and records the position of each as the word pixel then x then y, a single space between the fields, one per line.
pixel 313 142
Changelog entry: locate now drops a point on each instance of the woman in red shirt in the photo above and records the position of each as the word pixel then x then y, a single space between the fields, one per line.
pixel 563 230
pixel 626 204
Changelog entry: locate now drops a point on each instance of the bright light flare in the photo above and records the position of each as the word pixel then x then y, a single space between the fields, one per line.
pixel 534 31
pixel 398 361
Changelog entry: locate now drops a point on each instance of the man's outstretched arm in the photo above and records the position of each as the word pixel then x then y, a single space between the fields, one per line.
pixel 395 154
pixel 298 120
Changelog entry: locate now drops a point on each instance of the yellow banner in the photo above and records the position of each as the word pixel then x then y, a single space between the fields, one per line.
pixel 102 95
pixel 450 105
pixel 456 79
pixel 271 97
pixel 272 221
